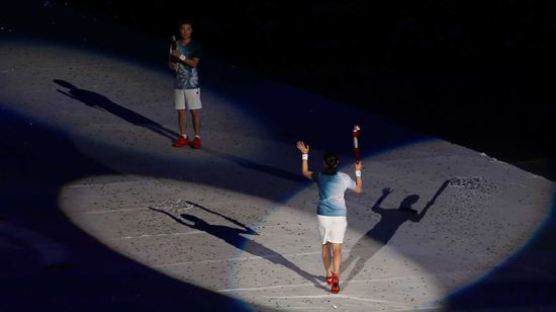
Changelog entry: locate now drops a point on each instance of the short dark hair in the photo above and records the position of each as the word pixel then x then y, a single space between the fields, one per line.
pixel 185 22
pixel 331 161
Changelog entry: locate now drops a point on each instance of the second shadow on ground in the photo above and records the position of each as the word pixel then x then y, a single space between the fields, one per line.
pixel 99 101
pixel 378 236
pixel 234 237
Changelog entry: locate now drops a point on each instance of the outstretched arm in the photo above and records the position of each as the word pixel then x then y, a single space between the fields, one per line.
pixel 248 230
pixel 178 220
pixel 385 192
pixel 431 202
pixel 358 180
pixel 66 94
pixel 304 149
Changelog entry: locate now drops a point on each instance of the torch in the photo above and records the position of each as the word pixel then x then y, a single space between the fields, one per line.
pixel 355 135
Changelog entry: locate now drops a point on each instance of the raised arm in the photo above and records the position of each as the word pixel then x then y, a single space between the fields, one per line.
pixel 358 180
pixel 248 230
pixel 304 149
pixel 385 192
pixel 431 202
pixel 178 220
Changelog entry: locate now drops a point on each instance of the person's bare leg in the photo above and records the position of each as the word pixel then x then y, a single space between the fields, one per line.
pixel 196 116
pixel 337 257
pixel 326 259
pixel 182 121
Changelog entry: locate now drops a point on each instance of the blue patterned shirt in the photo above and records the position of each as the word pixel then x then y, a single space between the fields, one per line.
pixel 187 76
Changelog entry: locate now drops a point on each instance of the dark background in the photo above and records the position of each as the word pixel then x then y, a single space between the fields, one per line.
pixel 477 73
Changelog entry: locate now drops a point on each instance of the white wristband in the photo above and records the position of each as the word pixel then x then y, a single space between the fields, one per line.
pixel 305 156
pixel 358 173
pixel 183 58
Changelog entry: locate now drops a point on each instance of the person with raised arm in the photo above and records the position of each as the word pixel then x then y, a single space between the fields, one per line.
pixel 331 210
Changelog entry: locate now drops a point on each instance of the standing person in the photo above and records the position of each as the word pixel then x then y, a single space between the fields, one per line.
pixel 184 59
pixel 332 210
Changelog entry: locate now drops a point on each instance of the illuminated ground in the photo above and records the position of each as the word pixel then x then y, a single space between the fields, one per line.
pixel 235 219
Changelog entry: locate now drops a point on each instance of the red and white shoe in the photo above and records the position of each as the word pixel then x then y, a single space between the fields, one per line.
pixel 335 284
pixel 181 142
pixel 196 144
pixel 329 280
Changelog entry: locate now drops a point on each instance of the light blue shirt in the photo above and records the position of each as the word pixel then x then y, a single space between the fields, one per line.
pixel 331 193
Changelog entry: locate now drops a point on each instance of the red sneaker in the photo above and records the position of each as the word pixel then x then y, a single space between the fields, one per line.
pixel 335 284
pixel 181 142
pixel 196 143
pixel 329 280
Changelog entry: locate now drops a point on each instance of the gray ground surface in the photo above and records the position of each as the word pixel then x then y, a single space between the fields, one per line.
pixel 235 217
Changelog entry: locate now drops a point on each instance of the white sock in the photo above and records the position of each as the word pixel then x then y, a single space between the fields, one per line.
pixel 197 136
pixel 184 136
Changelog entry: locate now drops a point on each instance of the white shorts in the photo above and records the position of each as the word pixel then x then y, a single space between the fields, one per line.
pixel 332 229
pixel 187 99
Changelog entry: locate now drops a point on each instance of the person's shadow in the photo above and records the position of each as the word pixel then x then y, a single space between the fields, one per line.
pixel 384 230
pixel 234 237
pixel 100 101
